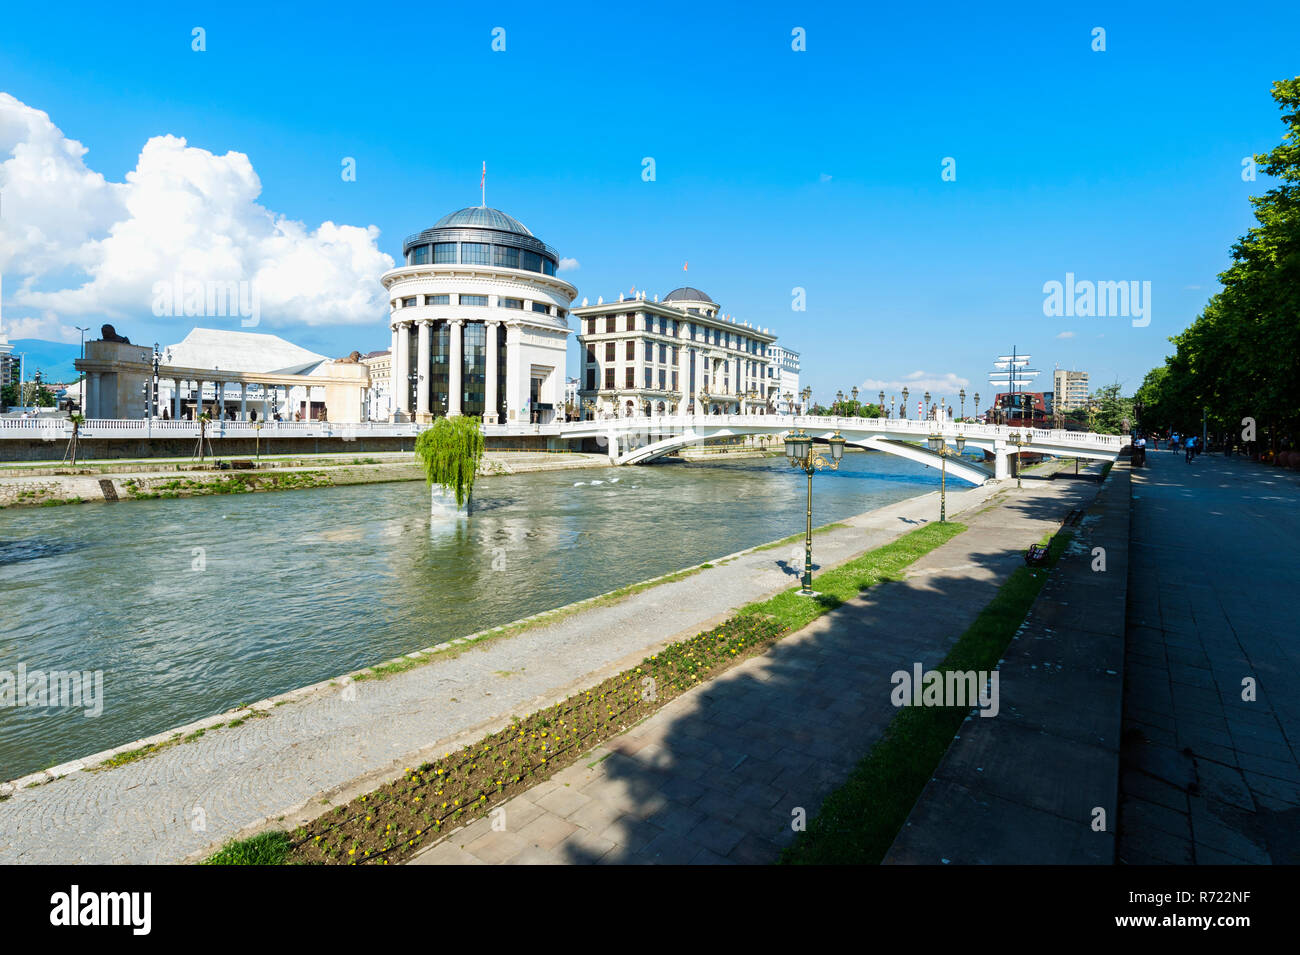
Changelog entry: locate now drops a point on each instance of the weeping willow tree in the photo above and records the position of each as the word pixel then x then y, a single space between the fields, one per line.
pixel 450 452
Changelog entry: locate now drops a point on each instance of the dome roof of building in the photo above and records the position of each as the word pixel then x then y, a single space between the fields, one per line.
pixel 482 217
pixel 687 294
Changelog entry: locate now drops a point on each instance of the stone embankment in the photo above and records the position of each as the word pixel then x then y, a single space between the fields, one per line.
pixel 33 486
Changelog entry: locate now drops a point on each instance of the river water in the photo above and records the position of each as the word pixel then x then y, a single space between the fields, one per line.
pixel 191 607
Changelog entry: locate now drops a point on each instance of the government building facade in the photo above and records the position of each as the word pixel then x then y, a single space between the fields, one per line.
pixel 479 322
pixel 678 356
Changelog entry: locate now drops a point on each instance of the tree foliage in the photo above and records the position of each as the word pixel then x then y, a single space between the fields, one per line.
pixel 450 452
pixel 1241 357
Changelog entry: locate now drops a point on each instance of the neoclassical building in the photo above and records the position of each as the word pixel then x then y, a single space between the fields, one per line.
pixel 672 357
pixel 479 321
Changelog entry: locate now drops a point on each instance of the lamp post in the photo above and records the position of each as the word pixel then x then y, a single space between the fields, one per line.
pixel 855 399
pixel 940 447
pixel 927 404
pixel 977 404
pixel 1020 439
pixel 806 395
pixel 800 453
pixel 904 406
pixel 962 395
pixel 892 409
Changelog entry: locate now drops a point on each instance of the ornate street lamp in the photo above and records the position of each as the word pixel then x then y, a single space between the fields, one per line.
pixel 892 410
pixel 940 447
pixel 799 451
pixel 977 404
pixel 927 404
pixel 1020 439
pixel 855 399
pixel 904 407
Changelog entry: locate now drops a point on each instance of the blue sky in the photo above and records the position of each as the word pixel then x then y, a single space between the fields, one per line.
pixel 775 169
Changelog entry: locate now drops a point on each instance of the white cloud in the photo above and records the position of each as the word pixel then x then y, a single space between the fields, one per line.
pixel 824 177
pixel 1065 335
pixel 916 383
pixel 84 247
pixel 568 264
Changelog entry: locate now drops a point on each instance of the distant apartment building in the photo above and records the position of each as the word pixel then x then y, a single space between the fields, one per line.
pixel 378 400
pixel 1069 389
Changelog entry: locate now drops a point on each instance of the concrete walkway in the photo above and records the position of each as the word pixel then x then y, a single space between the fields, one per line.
pixel 1209 777
pixel 719 774
pixel 333 742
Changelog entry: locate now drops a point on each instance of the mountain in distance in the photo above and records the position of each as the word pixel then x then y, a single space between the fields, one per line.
pixel 54 359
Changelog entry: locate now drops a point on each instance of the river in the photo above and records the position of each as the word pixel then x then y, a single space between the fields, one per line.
pixel 190 607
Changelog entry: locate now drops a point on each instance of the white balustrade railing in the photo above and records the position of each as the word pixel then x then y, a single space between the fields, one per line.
pixel 47 428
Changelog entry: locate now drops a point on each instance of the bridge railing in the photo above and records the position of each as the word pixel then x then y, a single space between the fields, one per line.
pixel 816 423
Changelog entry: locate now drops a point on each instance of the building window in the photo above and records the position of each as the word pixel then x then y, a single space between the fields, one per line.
pixel 609 351
pixel 475 253
pixel 444 253
pixel 511 302
pixel 630 351
pixel 479 300
pixel 674 381
pixel 506 256
pixel 437 300
pixel 408 302
pixel 530 261
pixel 663 354
pixel 591 379
pixel 631 378
pixel 649 378
pixel 474 368
pixel 542 307
pixel 673 352
pixel 609 324
pixel 562 313
pixel 548 267
pixel 439 372
pixel 591 354
pixel 420 255
pixel 609 378
pixel 650 353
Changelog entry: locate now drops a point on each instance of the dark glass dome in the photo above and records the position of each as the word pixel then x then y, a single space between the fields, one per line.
pixel 688 294
pixel 482 217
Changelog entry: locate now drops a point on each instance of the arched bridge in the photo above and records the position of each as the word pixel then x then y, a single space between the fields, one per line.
pixel 635 440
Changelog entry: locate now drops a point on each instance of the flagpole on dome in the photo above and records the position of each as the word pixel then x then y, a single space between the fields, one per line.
pixel 482 184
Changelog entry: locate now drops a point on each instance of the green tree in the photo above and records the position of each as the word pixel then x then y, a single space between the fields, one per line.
pixel 450 452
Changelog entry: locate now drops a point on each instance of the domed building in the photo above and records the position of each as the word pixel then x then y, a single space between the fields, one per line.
pixel 676 356
pixel 479 321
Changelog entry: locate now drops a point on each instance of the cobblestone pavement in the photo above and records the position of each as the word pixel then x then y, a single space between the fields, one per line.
pixel 1209 777
pixel 719 774
pixel 334 743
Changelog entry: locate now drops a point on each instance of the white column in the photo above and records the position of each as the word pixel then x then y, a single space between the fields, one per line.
pixel 422 371
pixel 266 403
pixel 456 388
pixel 490 390
pixel 402 376
pixel 392 375
pixel 517 381
pixel 176 399
pixel 198 398
pixel 243 401
pixel 92 395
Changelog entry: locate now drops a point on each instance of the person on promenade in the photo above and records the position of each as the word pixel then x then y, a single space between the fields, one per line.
pixel 1140 446
pixel 1190 451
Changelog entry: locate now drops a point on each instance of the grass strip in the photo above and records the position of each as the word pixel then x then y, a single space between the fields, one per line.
pixel 403 816
pixel 859 821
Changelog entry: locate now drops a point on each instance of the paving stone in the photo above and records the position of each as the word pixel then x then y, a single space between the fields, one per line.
pixel 547 831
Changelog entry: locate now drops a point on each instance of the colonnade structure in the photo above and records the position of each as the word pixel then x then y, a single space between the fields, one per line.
pixel 479 322
pixel 120 377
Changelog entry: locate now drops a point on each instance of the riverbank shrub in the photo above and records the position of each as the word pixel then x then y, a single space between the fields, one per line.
pixel 450 452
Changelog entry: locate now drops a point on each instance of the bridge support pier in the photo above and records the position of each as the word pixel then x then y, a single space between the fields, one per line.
pixel 1001 461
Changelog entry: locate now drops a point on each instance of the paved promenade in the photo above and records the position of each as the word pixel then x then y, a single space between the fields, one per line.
pixel 337 742
pixel 1209 777
pixel 719 774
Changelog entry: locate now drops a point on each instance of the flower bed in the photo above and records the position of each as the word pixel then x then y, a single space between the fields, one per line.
pixel 403 816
